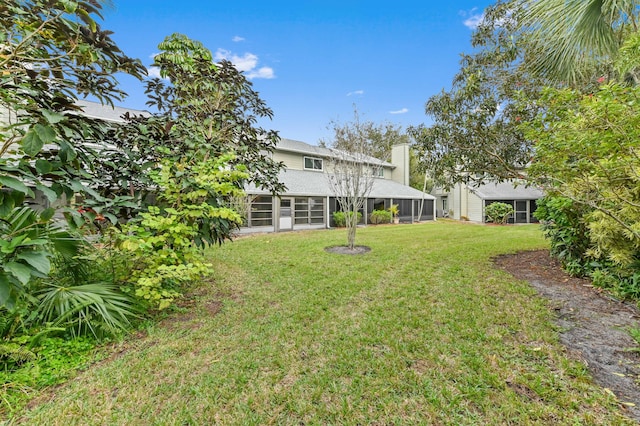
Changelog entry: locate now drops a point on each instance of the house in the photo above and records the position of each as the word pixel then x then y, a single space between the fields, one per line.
pixel 309 201
pixel 468 201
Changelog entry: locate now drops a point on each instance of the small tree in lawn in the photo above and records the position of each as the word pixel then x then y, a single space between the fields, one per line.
pixel 351 170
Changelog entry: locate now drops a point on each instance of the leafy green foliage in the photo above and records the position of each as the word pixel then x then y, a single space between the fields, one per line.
pixel 498 212
pixel 475 134
pixel 575 42
pixel 25 369
pixel 563 224
pixel 587 151
pixel 27 242
pixel 53 52
pixel 380 137
pixel 96 308
pixel 380 216
pixel 340 218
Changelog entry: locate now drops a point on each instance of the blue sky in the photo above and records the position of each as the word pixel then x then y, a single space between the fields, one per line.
pixel 311 61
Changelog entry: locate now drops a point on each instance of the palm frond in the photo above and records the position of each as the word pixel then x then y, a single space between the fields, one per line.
pixel 572 39
pixel 88 308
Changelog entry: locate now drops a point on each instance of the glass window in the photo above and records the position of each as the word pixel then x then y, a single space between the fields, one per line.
pixel 377 171
pixel 309 210
pixel 311 163
pixel 261 211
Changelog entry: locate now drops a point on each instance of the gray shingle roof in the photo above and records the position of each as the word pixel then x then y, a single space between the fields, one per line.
pixel 308 183
pixel 506 191
pixel 106 112
pixel 290 145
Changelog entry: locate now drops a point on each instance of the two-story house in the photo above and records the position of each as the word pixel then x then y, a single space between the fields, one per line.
pixel 309 201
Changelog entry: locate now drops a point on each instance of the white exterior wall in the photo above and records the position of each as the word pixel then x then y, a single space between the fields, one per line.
pixel 291 160
pixel 454 201
pixel 475 210
pixel 400 159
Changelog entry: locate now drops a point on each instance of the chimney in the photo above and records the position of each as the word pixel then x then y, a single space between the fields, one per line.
pixel 400 159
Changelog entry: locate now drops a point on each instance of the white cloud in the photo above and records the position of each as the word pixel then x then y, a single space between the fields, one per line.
pixel 263 72
pixel 237 39
pixel 154 72
pixel 356 92
pixel 473 18
pixel 400 111
pixel 246 63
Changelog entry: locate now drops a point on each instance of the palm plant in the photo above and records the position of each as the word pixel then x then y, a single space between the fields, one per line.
pixel 573 39
pixel 81 298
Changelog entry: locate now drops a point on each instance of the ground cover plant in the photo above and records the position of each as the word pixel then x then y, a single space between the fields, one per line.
pixel 421 330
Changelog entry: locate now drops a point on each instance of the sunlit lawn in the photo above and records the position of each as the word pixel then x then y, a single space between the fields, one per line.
pixel 421 330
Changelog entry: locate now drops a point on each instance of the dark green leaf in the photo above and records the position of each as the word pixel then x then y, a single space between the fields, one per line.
pixel 47 214
pixel 46 133
pixel 52 117
pixel 48 192
pixel 6 287
pixel 37 259
pixel 32 143
pixel 67 152
pixel 15 184
pixel 43 166
pixel 19 270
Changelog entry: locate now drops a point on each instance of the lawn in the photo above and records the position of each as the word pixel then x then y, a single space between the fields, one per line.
pixel 421 330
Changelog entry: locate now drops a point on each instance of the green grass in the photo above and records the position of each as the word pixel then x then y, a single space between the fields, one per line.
pixel 421 330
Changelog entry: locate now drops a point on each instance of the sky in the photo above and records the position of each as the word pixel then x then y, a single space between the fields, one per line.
pixel 313 61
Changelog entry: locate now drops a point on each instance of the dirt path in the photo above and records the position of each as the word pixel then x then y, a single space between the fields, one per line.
pixel 593 324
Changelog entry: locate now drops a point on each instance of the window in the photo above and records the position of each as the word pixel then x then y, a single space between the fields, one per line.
pixel 311 163
pixel 377 171
pixel 309 210
pixel 261 211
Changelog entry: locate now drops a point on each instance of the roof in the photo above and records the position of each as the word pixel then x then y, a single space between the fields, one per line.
pixel 290 145
pixel 506 191
pixel 309 183
pixel 106 112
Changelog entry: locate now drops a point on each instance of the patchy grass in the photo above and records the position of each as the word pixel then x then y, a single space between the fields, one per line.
pixel 421 330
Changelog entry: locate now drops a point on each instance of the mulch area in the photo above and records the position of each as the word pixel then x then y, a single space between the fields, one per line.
pixel 593 324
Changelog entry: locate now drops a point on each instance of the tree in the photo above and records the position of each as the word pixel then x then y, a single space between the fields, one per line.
pixel 195 154
pixel 475 133
pixel 380 137
pixel 587 151
pixel 351 166
pixel 50 53
pixel 206 111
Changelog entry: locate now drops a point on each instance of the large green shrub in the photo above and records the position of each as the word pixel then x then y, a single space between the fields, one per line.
pixel 380 216
pixel 340 218
pixel 498 212
pixel 563 224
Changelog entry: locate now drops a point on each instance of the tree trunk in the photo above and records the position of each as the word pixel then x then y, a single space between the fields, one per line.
pixel 352 224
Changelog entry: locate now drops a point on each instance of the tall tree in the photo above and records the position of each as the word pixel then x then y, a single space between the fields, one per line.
pixel 206 111
pixel 475 131
pixel 51 52
pixel 351 174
